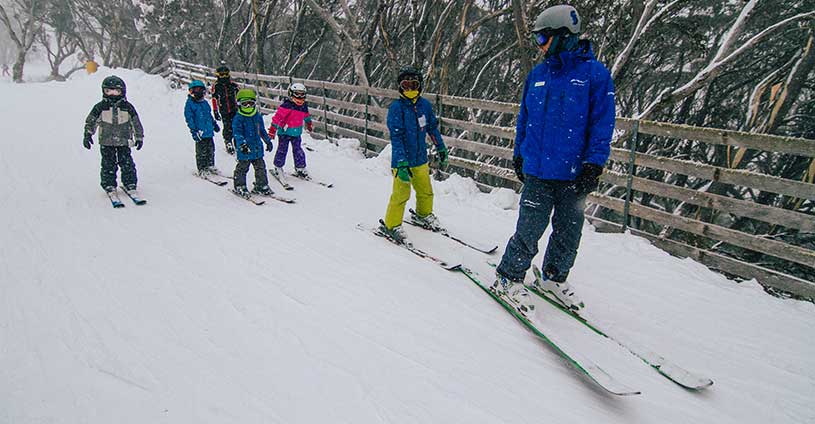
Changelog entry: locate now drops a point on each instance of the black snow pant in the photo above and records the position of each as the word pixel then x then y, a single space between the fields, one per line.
pixel 114 157
pixel 205 153
pixel 227 130
pixel 261 180
pixel 538 199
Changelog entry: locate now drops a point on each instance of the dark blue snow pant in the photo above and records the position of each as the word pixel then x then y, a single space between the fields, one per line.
pixel 114 157
pixel 538 199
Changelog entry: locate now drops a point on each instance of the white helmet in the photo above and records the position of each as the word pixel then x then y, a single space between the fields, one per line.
pixel 557 17
pixel 297 90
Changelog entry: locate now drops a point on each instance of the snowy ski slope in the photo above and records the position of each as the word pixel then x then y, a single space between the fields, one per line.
pixel 202 308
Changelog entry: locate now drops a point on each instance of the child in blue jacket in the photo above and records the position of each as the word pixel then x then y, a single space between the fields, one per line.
pixel 250 135
pixel 202 127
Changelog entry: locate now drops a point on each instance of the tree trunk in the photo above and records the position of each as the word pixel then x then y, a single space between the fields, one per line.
pixel 19 64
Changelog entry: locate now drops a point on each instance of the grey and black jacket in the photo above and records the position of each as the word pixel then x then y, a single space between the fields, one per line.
pixel 117 121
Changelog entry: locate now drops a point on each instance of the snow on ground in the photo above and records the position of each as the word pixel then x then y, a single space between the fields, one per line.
pixel 200 307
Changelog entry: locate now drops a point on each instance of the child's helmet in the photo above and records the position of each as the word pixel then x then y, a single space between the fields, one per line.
pixel 297 90
pixel 246 99
pixel 197 89
pixel 113 88
pixel 246 94
pixel 409 73
pixel 222 72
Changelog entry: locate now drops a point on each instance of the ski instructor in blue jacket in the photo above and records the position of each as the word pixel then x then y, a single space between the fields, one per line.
pixel 562 142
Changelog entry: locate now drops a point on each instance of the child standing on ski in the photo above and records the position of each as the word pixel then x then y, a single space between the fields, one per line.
pixel 410 121
pixel 202 127
pixel 288 123
pixel 119 128
pixel 250 136
pixel 224 104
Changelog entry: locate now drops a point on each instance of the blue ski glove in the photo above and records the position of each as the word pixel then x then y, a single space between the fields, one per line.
pixel 403 171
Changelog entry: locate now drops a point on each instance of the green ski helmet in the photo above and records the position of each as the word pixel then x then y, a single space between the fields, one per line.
pixel 246 99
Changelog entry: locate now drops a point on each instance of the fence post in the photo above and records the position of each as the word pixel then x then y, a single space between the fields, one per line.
pixel 325 111
pixel 367 102
pixel 631 169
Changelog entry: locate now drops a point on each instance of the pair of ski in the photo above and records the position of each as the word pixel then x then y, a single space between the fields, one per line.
pixel 288 186
pixel 588 368
pixel 213 178
pixel 116 202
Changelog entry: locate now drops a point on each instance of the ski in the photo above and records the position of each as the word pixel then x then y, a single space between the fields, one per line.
pixel 579 362
pixel 134 196
pixel 666 368
pixel 311 180
pixel 445 233
pixel 418 252
pixel 280 180
pixel 207 177
pixel 114 199
pixel 276 197
pixel 247 197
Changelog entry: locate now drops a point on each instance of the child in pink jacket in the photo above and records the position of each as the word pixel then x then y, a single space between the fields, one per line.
pixel 288 123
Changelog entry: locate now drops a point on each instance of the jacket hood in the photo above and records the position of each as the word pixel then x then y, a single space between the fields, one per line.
pixel 582 53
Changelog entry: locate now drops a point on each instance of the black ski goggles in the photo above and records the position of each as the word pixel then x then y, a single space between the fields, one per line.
pixel 247 103
pixel 298 94
pixel 410 85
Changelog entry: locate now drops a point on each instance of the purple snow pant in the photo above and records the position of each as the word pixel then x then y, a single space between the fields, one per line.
pixel 283 149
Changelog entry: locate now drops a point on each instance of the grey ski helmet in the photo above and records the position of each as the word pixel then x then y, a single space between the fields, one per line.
pixel 557 17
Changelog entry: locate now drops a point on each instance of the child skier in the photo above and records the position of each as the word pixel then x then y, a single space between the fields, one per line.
pixel 410 120
pixel 202 127
pixel 224 104
pixel 287 123
pixel 249 138
pixel 119 128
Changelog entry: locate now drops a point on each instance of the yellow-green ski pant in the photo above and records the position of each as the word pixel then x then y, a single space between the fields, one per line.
pixel 420 178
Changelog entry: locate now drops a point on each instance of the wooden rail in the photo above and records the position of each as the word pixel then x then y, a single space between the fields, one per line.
pixel 361 116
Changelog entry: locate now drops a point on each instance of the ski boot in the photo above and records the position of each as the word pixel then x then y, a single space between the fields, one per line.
pixel 396 234
pixel 429 222
pixel 514 291
pixel 302 174
pixel 131 187
pixel 241 191
pixel 561 290
pixel 213 170
pixel 110 189
pixel 262 190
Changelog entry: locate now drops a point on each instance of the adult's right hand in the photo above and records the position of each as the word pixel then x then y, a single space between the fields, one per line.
pixel 518 164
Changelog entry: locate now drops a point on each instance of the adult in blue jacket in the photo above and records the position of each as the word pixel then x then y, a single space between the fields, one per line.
pixel 202 127
pixel 410 121
pixel 250 135
pixel 562 142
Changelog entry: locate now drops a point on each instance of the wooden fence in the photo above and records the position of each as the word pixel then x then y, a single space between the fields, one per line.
pixel 480 133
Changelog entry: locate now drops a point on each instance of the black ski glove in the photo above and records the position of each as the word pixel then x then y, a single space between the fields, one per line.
pixel 217 115
pixel 269 147
pixel 139 143
pixel 588 179
pixel 87 141
pixel 518 164
pixel 216 127
pixel 244 148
